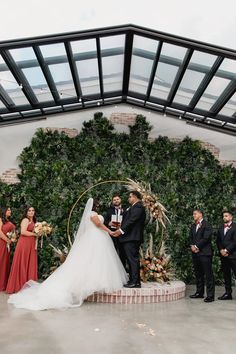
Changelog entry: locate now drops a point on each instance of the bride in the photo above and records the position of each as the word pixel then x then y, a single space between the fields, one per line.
pixel 92 265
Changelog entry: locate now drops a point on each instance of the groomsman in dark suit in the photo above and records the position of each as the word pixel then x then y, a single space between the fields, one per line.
pixel 114 212
pixel 131 236
pixel 200 242
pixel 226 243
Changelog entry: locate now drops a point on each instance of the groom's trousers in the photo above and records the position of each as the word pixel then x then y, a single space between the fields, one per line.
pixel 131 250
pixel 120 250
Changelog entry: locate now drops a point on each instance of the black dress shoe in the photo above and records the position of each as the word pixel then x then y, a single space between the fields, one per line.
pixel 132 285
pixel 225 297
pixel 209 299
pixel 196 296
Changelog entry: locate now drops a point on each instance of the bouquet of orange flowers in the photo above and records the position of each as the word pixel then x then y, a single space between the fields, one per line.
pixel 155 267
pixel 42 229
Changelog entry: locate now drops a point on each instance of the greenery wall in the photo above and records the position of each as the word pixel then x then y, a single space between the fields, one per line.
pixel 56 169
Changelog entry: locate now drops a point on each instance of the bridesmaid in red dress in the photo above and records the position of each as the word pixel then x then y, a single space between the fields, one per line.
pixel 5 226
pixel 25 261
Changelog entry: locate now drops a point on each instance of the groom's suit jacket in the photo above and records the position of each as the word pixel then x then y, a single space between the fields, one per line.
pixel 201 238
pixel 133 223
pixel 227 240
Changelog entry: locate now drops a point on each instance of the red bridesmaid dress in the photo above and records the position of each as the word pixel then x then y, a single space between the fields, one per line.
pixel 5 256
pixel 25 263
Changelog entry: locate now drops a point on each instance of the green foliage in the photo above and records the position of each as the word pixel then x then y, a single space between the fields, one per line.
pixel 56 169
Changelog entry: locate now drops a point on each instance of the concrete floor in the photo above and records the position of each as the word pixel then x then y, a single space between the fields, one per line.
pixel 185 326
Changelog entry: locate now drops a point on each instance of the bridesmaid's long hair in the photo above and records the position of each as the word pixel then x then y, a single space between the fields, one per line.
pixel 3 215
pixel 26 212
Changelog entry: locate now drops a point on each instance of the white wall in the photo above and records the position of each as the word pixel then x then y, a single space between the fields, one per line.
pixel 14 138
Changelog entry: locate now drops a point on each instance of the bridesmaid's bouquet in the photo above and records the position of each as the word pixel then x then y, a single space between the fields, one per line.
pixel 42 229
pixel 12 235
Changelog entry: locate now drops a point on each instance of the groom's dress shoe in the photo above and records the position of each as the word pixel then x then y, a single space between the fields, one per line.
pixel 196 296
pixel 225 297
pixel 132 285
pixel 209 299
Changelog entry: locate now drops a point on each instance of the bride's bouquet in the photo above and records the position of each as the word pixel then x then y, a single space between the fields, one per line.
pixel 42 229
pixel 12 235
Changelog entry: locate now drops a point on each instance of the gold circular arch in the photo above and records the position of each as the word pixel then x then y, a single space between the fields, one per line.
pixel 127 182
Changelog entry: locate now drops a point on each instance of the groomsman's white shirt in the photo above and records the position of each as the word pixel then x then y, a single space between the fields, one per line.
pixel 227 228
pixel 198 225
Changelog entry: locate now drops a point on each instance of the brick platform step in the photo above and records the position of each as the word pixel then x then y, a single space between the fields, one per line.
pixel 150 292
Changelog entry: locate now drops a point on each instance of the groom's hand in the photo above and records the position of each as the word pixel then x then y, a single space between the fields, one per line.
pixel 116 233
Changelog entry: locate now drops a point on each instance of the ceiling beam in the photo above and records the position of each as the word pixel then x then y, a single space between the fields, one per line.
pixel 127 63
pixel 179 76
pixel 47 74
pixel 73 69
pixel 153 72
pixel 99 60
pixel 20 78
pixel 224 98
pixel 6 99
pixel 205 82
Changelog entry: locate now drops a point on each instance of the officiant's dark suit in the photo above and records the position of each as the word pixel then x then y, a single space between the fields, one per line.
pixel 226 243
pixel 132 228
pixel 200 236
pixel 113 210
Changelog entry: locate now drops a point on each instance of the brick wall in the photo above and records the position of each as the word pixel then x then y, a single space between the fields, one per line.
pixel 205 145
pixel 10 176
pixel 228 163
pixel 71 133
pixel 129 119
pixel 212 148
pixel 123 118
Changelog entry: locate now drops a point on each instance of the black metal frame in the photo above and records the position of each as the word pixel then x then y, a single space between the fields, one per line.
pixel 59 104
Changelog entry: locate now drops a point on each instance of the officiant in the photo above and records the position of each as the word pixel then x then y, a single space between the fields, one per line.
pixel 112 220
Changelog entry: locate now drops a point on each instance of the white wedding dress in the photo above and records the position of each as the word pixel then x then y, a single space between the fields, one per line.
pixel 92 265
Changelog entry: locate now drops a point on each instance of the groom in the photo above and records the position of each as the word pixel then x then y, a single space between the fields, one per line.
pixel 131 236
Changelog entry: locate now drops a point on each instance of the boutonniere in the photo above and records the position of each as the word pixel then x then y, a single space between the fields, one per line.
pixel 127 208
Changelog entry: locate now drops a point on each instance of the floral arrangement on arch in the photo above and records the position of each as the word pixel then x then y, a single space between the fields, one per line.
pixel 155 266
pixel 157 212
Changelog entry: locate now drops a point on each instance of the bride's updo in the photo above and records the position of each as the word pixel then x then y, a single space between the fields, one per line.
pixel 96 204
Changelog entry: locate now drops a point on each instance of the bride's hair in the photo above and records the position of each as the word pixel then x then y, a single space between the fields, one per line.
pixel 96 204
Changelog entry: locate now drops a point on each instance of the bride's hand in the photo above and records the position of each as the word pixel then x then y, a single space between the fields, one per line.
pixel 111 233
